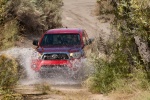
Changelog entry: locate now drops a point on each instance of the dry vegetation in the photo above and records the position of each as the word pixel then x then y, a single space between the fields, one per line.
pixel 126 68
pixel 19 18
pixel 8 78
pixel 22 17
pixel 9 72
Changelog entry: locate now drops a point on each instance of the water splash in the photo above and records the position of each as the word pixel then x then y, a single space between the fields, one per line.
pixel 25 56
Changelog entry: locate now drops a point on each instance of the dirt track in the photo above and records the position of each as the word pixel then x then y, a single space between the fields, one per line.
pixel 81 14
pixel 76 14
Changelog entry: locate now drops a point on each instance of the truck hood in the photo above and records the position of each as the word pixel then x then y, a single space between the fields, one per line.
pixel 59 49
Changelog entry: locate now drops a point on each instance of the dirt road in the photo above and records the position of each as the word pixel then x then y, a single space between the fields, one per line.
pixel 75 14
pixel 81 14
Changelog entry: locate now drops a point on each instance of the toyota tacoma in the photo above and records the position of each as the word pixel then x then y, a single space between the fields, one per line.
pixel 59 48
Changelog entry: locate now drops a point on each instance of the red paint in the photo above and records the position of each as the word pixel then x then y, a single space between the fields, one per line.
pixel 52 49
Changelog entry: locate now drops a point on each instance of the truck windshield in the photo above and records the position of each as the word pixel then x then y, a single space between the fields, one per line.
pixel 60 39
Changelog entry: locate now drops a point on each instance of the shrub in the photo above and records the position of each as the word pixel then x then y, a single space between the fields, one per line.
pixel 35 16
pixel 117 74
pixel 8 78
pixel 104 7
pixel 9 72
pixel 2 10
pixel 27 17
pixel 126 66
pixel 9 34
pixel 12 96
pixel 44 88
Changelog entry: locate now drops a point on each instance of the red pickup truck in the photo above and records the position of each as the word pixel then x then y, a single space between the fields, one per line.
pixel 58 48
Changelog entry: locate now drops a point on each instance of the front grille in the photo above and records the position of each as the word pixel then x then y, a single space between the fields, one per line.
pixel 53 67
pixel 55 56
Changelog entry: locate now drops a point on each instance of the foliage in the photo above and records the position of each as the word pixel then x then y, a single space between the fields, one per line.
pixel 117 74
pixel 9 72
pixel 2 9
pixel 104 7
pixel 22 17
pixel 142 96
pixel 136 15
pixel 12 96
pixel 9 34
pixel 44 88
pixel 8 78
pixel 125 68
pixel 46 15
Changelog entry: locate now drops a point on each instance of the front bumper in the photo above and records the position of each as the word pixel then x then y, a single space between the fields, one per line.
pixel 41 65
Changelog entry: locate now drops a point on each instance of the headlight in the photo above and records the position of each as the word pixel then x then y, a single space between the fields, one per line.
pixel 34 66
pixel 39 56
pixel 75 55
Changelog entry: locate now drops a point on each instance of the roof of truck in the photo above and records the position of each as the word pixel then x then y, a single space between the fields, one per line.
pixel 64 30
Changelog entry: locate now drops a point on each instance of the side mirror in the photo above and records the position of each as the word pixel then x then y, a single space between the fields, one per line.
pixel 35 42
pixel 89 41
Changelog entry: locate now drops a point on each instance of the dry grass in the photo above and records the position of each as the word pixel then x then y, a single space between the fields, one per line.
pixel 27 17
pixel 8 74
pixel 44 88
pixel 37 16
pixel 104 7
pixel 76 96
pixel 8 78
pixel 139 95
pixel 9 34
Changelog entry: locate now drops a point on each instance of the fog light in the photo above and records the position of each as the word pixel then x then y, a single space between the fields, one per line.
pixel 74 69
pixel 34 66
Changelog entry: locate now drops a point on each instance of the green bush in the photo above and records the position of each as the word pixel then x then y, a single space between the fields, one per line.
pixel 8 78
pixel 2 10
pixel 104 7
pixel 12 96
pixel 117 75
pixel 9 72
pixel 9 35
pixel 23 17
pixel 125 67
pixel 35 16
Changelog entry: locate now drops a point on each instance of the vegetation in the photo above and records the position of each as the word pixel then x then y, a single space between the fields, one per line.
pixel 8 34
pixel 19 18
pixel 127 66
pixel 104 7
pixel 44 88
pixel 9 69
pixel 22 17
pixel 8 78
